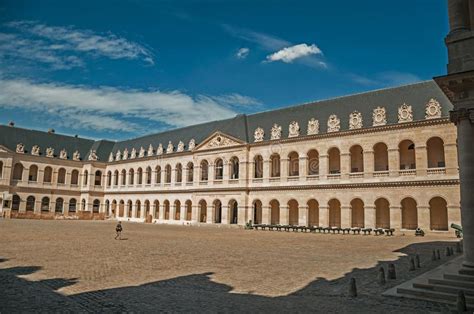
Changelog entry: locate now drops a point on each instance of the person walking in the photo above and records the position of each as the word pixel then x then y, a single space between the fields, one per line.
pixel 118 230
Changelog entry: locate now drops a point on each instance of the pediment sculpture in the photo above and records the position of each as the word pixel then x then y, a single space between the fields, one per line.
pixel 159 150
pixel 63 154
pixel 20 148
pixel 118 155
pixel 259 134
pixel 92 155
pixel 141 153
pixel 405 113
pixel 35 150
pixel 334 124
pixel 76 155
pixel 313 126
pixel 433 109
pixel 355 120
pixel 192 144
pixel 150 150
pixel 293 129
pixel 169 148
pixel 133 154
pixel 50 152
pixel 180 147
pixel 125 154
pixel 379 116
pixel 276 132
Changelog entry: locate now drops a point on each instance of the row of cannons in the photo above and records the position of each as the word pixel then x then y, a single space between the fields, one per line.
pixel 316 229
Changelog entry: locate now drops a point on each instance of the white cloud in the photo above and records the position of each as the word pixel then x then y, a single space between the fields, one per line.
pixel 62 47
pixel 108 108
pixel 265 41
pixel 389 78
pixel 242 53
pixel 289 54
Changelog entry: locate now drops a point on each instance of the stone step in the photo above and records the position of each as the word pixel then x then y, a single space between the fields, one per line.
pixel 452 283
pixel 435 296
pixel 445 289
pixel 458 277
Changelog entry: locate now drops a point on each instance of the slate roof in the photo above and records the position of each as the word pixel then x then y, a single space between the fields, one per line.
pixel 243 126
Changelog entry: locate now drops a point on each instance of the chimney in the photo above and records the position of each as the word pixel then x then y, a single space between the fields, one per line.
pixel 51 131
pixel 11 123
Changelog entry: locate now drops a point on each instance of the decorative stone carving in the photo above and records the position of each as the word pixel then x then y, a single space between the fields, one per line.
pixel 20 148
pixel 405 113
pixel 192 144
pixel 219 141
pixel 159 150
pixel 379 116
pixel 293 129
pixel 50 152
pixel 276 132
pixel 35 150
pixel 133 154
pixel 258 134
pixel 313 126
pixel 63 154
pixel 433 109
pixel 118 155
pixel 76 155
pixel 150 150
pixel 141 154
pixel 92 155
pixel 180 147
pixel 125 154
pixel 169 148
pixel 355 120
pixel 111 157
pixel 334 124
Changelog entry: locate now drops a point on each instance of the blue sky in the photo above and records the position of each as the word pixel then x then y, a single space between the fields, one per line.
pixel 120 69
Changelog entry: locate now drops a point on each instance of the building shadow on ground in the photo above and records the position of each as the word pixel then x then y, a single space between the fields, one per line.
pixel 198 293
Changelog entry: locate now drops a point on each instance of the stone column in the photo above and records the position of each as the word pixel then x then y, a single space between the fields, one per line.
pixel 346 216
pixel 303 166
pixel 424 217
pixel 162 212
pixel 451 159
pixel 182 212
pixel 209 215
pixel 266 215
pixel 284 169
pixel 266 170
pixel 323 216
pixel 303 215
pixel 323 166
pixel 458 15
pixel 368 163
pixel 242 215
pixel 225 217
pixel 211 172
pixel 396 217
pixel 283 215
pixel 394 162
pixel 345 165
pixel 369 216
pixel 421 157
pixel 226 170
pixel 195 213
pixel 454 215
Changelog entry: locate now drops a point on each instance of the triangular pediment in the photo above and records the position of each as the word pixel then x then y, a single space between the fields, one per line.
pixel 218 140
pixel 3 149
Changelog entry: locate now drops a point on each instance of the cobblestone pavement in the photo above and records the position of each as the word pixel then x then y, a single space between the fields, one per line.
pixel 74 266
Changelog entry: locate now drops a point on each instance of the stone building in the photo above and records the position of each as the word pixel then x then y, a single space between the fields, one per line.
pixel 386 158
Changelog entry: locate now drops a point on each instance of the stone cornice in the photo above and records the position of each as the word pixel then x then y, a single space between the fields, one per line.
pixel 461 114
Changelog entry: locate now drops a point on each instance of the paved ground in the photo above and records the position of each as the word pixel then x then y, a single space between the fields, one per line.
pixel 51 266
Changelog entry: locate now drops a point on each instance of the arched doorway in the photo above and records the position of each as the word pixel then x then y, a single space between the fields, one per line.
pixel 138 209
pixel 148 216
pixel 121 211
pixel 177 210
pixel 438 214
pixel 274 212
pixel 409 214
pixel 313 213
pixel 217 211
pixel 233 212
pixel 293 213
pixel 382 213
pixel 129 209
pixel 156 205
pixel 189 210
pixel 357 213
pixel 166 207
pixel 257 212
pixel 334 213
pixel 202 211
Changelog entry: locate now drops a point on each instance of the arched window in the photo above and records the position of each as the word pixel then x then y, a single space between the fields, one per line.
pixel 95 206
pixel 275 164
pixel 74 177
pixel 435 150
pixel 16 202
pixel 357 159
pixel 98 178
pixel 293 164
pixel 190 172
pixel 204 170
pixel 30 203
pixel 124 177
pixel 131 177
pixel 218 169
pixel 168 174
pixel 139 176
pixel 48 175
pixel 18 172
pixel 409 214
pixel 61 176
pixel 158 174
pixel 313 162
pixel 109 178
pixel 72 205
pixel 380 157
pixel 58 208
pixel 406 150
pixel 33 173
pixel 1 169
pixel 148 175
pixel 258 167
pixel 334 161
pixel 116 178
pixel 45 204
pixel 86 177
pixel 234 168
pixel 179 173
